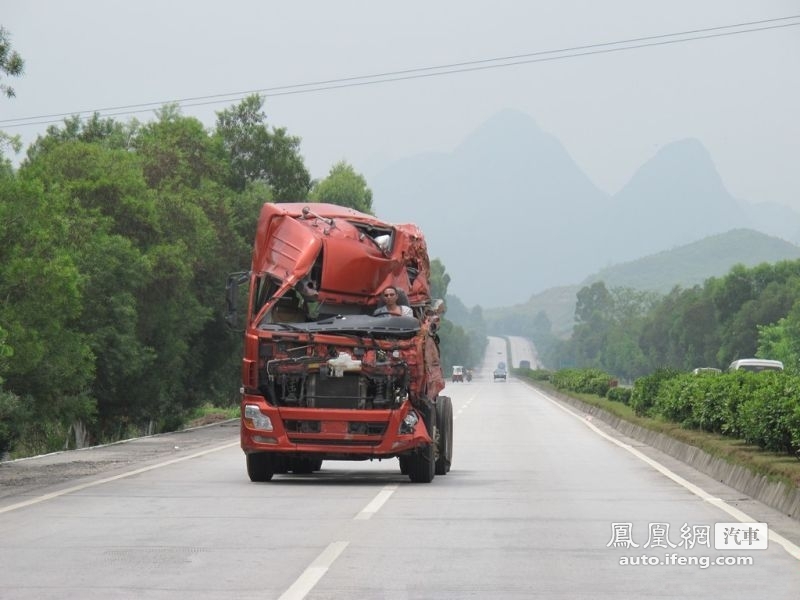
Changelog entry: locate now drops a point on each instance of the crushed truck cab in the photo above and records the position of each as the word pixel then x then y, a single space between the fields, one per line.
pixel 322 378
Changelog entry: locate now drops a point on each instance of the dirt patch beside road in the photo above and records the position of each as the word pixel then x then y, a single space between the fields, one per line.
pixel 36 474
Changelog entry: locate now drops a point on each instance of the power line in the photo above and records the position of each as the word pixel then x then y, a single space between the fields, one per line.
pixel 431 71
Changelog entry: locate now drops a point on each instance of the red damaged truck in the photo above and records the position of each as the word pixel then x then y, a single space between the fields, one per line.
pixel 322 378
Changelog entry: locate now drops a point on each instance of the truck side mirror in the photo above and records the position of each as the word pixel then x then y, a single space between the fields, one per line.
pixel 232 296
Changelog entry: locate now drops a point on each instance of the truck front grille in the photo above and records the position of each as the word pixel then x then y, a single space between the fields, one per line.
pixel 327 442
pixel 335 427
pixel 349 391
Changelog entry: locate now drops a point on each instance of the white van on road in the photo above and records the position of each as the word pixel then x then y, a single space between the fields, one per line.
pixel 755 364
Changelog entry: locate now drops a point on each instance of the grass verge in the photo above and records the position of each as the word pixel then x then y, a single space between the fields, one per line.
pixel 208 414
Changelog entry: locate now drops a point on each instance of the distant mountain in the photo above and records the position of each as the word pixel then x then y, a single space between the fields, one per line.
pixel 497 211
pixel 558 303
pixel 675 198
pixel 775 219
pixel 693 263
pixel 510 213
pixel 685 266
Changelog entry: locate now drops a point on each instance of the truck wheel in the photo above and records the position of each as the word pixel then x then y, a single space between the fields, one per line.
pixel 444 435
pixel 405 463
pixel 422 465
pixel 259 466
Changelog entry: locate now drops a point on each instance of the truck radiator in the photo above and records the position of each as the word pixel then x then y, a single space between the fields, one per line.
pixel 351 391
pixel 348 391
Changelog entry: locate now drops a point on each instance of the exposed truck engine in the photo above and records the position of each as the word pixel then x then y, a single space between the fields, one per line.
pixel 323 378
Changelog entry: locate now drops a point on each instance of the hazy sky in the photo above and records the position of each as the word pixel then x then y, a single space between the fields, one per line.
pixel 738 94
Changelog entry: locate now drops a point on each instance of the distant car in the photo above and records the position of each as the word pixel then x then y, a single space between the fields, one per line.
pixel 706 371
pixel 756 365
pixel 524 364
pixel 500 372
pixel 458 373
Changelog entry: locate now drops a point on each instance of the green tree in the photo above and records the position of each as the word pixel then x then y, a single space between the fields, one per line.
pixel 607 330
pixel 5 352
pixel 147 251
pixel 462 332
pixel 111 216
pixel 439 279
pixel 12 143
pixel 696 333
pixel 114 240
pixel 206 232
pixel 773 290
pixel 454 346
pixel 681 331
pixel 781 340
pixel 594 303
pixel 177 151
pixel 345 187
pixel 257 153
pixel 540 331
pixel 42 289
pixel 720 321
pixel 11 63
pixel 108 133
pixel 593 313
pixel 100 184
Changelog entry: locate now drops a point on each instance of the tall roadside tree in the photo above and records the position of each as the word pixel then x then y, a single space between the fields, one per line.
pixel 115 241
pixel 440 279
pixel 41 300
pixel 109 221
pixel 345 187
pixel 11 63
pixel 746 298
pixel 258 153
pixel 460 344
pixel 781 340
pixel 8 142
pixel 12 413
pixel 607 331
pixel 593 314
pixel 201 240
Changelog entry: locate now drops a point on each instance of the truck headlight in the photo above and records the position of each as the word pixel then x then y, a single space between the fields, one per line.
pixel 256 419
pixel 409 422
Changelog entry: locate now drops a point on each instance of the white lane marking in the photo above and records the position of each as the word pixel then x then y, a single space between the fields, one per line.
pixel 465 405
pixel 84 486
pixel 376 503
pixel 315 571
pixel 743 517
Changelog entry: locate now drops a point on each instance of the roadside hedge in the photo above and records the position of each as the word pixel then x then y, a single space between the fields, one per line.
pixel 762 409
pixel 584 381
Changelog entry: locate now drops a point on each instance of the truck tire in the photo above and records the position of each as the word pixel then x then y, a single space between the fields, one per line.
pixel 444 434
pixel 259 466
pixel 405 463
pixel 422 465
